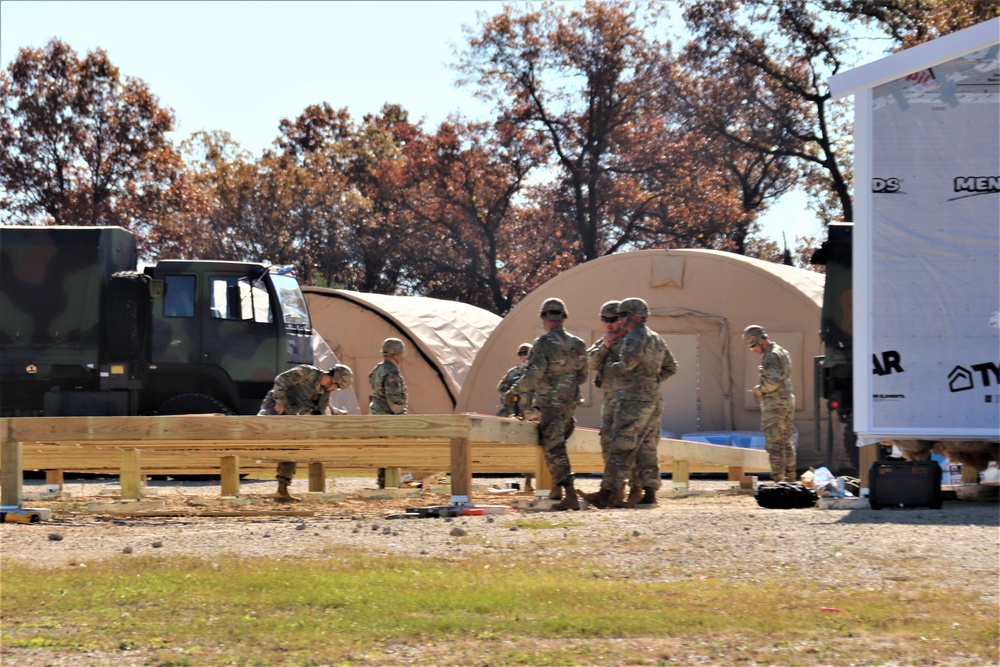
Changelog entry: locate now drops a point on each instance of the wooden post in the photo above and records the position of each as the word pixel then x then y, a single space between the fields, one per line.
pixel 317 477
pixel 393 478
pixel 461 467
pixel 229 476
pixel 11 475
pixel 681 475
pixel 969 475
pixel 131 484
pixel 54 478
pixel 867 455
pixel 735 473
pixel 543 478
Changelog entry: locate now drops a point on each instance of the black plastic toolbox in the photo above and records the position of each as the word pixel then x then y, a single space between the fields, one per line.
pixel 904 484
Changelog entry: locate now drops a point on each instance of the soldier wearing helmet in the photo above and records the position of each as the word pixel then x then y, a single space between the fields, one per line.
pixel 303 390
pixel 644 361
pixel 388 387
pixel 522 409
pixel 557 366
pixel 602 353
pixel 388 395
pixel 777 402
pixel 523 406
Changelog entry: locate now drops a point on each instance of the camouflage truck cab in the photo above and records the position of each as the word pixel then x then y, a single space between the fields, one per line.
pixel 837 329
pixel 84 333
pixel 239 324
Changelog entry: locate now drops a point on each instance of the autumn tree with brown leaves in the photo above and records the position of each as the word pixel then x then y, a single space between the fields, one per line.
pixel 623 173
pixel 475 244
pixel 83 145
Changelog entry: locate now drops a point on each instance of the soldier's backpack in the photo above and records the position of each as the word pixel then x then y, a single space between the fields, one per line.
pixel 785 496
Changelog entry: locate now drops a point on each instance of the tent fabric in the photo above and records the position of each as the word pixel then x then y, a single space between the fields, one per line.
pixel 700 301
pixel 442 339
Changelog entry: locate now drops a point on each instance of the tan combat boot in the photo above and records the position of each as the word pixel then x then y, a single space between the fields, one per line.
pixel 601 500
pixel 283 496
pixel 634 495
pixel 570 502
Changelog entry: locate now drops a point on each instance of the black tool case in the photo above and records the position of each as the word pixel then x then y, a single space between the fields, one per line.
pixel 904 484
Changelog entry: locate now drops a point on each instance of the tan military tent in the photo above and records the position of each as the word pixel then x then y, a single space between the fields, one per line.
pixel 441 338
pixel 700 302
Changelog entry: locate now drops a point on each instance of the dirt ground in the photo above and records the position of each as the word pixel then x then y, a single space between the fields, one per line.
pixel 705 531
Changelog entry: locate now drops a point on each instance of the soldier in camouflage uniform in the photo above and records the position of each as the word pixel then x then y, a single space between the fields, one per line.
pixel 303 390
pixel 647 463
pixel 602 353
pixel 388 387
pixel 777 402
pixel 635 378
pixel 523 409
pixel 557 366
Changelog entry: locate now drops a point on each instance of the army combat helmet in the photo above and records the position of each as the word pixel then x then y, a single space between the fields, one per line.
pixel 753 334
pixel 392 346
pixel 554 309
pixel 634 306
pixel 342 375
pixel 523 348
pixel 609 310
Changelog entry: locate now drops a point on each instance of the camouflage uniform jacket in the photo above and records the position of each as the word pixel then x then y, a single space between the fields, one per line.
pixel 643 363
pixel 299 392
pixel 557 366
pixel 388 390
pixel 523 398
pixel 599 357
pixel 775 388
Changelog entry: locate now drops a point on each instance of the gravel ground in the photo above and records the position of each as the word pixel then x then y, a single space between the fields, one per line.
pixel 707 529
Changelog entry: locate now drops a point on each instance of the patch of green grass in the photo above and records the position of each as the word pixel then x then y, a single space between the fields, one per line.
pixel 282 612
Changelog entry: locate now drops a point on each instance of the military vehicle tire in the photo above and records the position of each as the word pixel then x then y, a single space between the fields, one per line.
pixel 126 313
pixel 193 404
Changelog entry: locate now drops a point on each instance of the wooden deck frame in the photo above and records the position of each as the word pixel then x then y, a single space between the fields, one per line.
pixel 229 445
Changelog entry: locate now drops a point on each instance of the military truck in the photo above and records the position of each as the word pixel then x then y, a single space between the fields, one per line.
pixel 84 332
pixel 836 366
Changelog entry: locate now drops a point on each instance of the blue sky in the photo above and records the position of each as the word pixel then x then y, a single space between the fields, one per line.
pixel 243 66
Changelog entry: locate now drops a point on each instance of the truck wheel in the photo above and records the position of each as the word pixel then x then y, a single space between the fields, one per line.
pixel 126 312
pixel 193 404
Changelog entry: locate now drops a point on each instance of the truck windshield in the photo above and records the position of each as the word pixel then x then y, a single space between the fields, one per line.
pixel 293 304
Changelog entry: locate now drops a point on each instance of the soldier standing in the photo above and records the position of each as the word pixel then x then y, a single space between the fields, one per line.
pixel 303 390
pixel 777 402
pixel 636 381
pixel 523 408
pixel 601 354
pixel 557 366
pixel 388 387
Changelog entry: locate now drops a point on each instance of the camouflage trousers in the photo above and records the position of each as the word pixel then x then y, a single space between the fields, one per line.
pixel 286 472
pixel 607 435
pixel 646 474
pixel 555 425
pixel 629 426
pixel 777 424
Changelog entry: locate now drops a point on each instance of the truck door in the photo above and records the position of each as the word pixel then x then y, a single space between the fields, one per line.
pixel 239 334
